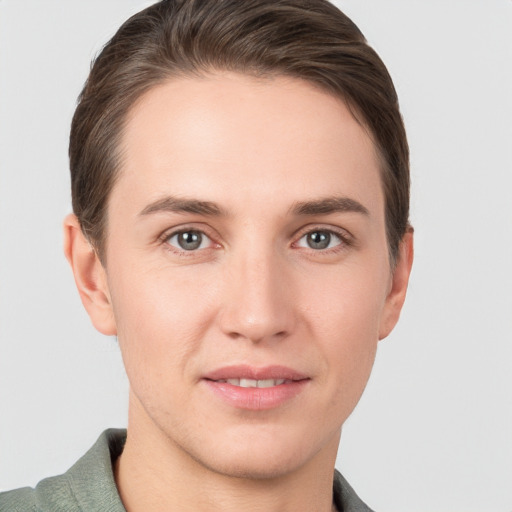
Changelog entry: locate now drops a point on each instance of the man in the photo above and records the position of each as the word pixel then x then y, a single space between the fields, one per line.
pixel 240 193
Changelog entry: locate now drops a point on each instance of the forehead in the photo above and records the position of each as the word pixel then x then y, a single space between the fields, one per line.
pixel 227 135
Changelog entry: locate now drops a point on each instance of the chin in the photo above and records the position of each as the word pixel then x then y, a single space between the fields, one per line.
pixel 251 466
pixel 263 455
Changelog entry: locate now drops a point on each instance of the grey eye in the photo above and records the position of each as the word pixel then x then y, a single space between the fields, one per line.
pixel 319 240
pixel 189 240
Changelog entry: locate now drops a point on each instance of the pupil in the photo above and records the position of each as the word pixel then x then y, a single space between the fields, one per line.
pixel 189 240
pixel 319 240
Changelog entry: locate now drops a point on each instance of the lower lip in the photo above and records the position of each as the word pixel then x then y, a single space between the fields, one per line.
pixel 257 399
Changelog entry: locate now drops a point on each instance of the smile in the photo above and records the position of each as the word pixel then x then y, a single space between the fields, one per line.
pixel 256 389
pixel 253 383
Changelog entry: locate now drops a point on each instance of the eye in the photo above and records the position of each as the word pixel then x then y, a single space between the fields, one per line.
pixel 320 239
pixel 189 240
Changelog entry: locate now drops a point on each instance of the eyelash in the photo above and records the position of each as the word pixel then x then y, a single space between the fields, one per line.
pixel 346 240
pixel 167 235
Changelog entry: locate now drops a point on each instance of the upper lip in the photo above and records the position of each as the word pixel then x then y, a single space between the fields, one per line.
pixel 255 373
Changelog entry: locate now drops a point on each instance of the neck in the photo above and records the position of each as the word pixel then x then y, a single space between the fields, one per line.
pixel 153 474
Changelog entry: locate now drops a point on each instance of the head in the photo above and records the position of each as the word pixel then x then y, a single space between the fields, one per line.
pixel 240 185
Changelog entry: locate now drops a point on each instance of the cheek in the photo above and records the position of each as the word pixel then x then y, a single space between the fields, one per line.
pixel 347 302
pixel 351 342
pixel 346 320
pixel 160 322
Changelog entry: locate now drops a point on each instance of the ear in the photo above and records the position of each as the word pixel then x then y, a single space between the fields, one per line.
pixel 398 286
pixel 90 277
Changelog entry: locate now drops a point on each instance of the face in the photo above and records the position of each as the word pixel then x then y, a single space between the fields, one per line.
pixel 247 269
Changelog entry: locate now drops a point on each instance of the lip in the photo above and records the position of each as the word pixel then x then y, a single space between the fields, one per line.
pixel 256 399
pixel 243 371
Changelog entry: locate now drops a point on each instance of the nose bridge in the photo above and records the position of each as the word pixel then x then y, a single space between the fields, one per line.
pixel 257 305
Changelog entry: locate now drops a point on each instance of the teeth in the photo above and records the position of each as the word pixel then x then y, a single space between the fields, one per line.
pixel 269 383
pixel 252 383
pixel 248 383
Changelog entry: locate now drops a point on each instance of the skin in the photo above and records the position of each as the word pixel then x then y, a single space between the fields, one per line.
pixel 255 292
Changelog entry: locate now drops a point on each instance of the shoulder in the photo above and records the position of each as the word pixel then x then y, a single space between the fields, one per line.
pixel 88 485
pixel 52 494
pixel 20 500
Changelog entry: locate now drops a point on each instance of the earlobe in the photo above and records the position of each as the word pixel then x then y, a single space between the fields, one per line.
pixel 90 277
pixel 398 288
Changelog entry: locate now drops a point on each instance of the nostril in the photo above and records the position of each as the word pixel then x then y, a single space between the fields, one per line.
pixel 256 337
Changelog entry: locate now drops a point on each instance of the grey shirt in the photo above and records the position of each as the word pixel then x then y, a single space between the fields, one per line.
pixel 89 485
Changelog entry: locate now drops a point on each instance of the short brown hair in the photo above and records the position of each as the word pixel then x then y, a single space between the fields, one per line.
pixel 307 39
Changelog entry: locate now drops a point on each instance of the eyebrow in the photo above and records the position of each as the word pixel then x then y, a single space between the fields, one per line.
pixel 323 206
pixel 182 205
pixel 329 205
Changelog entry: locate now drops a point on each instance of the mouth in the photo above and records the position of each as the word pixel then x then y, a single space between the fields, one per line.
pixel 245 387
pixel 253 383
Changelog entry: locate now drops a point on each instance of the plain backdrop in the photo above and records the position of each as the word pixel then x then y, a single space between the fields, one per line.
pixel 433 431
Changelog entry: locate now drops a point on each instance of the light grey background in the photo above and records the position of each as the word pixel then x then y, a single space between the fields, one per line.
pixel 433 431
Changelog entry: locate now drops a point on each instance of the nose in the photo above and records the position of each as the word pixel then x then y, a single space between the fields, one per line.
pixel 258 299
